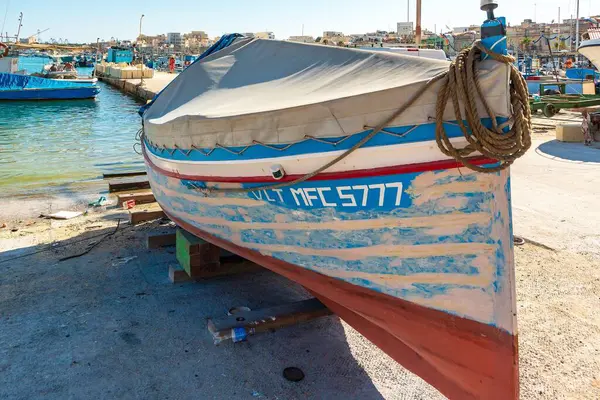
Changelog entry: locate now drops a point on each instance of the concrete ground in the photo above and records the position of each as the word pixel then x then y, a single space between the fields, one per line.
pixel 110 325
pixel 157 83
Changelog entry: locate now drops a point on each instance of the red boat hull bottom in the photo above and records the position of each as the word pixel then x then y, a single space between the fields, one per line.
pixel 462 358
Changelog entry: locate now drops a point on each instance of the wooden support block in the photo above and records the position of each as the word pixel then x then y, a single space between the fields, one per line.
pixel 158 240
pixel 202 260
pixel 246 323
pixel 123 185
pixel 139 198
pixel 177 274
pixel 137 217
pixel 195 253
pixel 111 175
pixel 223 268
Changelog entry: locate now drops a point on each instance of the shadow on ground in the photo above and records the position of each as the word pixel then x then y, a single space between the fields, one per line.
pixel 109 324
pixel 570 151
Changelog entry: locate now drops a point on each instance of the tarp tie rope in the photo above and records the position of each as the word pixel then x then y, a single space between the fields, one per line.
pixel 460 84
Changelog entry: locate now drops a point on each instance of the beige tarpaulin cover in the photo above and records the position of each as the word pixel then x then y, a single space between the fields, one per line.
pixel 278 92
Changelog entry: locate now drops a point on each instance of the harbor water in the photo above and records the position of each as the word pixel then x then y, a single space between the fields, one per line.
pixel 57 147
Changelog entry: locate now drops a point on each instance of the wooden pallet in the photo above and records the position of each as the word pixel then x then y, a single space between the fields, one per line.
pixel 245 323
pixel 141 197
pixel 134 186
pixel 145 213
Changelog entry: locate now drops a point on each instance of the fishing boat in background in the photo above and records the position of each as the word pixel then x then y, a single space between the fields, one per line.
pixel 25 87
pixel 321 163
pixel 591 50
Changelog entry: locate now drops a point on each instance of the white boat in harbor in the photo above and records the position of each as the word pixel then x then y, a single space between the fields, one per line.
pixel 591 50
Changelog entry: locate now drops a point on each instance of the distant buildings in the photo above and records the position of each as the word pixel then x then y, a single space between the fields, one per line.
pixel 195 40
pixel 264 35
pixel 542 37
pixel 404 29
pixel 302 39
pixel 174 39
pixel 330 34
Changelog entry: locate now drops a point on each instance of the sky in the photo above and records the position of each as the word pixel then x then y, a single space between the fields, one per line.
pixel 85 21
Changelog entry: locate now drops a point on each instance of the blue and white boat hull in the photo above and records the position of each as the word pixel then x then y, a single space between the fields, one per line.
pixel 50 94
pixel 401 241
pixel 25 87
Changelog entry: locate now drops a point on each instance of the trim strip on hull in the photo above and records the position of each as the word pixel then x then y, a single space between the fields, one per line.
pixel 397 169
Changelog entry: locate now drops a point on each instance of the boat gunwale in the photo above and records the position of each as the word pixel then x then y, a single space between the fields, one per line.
pixel 361 173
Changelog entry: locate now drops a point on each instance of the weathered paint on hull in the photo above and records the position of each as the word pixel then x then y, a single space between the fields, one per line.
pixel 419 262
pixel 462 358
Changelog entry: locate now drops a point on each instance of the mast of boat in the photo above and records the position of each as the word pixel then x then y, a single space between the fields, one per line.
pixel 140 50
pixel 19 28
pixel 96 58
pixel 418 25
pixel 577 31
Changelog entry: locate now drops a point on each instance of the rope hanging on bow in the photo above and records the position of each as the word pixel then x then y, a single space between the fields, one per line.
pixel 461 85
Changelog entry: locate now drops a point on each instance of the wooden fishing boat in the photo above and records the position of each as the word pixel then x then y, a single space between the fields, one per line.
pixel 321 164
pixel 591 50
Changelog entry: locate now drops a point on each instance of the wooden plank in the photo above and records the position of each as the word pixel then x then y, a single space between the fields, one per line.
pixel 123 185
pixel 137 217
pixel 247 323
pixel 223 268
pixel 111 175
pixel 139 198
pixel 158 240
pixel 178 274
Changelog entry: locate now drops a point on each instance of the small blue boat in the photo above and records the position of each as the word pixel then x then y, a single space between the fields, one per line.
pixel 25 87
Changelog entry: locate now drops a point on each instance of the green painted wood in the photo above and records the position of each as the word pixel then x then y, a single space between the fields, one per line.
pixel 184 247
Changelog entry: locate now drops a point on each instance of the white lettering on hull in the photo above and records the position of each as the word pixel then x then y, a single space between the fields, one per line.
pixel 382 194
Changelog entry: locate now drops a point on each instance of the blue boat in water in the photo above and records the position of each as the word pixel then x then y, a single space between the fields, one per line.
pixel 25 87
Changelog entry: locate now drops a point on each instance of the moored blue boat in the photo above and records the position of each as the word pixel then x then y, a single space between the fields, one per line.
pixel 25 87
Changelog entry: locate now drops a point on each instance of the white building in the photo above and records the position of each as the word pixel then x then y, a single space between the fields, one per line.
pixel 404 28
pixel 264 35
pixel 329 34
pixel 174 38
pixel 302 39
pixel 460 29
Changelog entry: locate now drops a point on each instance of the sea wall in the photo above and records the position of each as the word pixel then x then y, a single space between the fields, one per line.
pixel 131 88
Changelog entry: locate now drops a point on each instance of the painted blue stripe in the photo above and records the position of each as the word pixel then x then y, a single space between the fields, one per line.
pixel 421 133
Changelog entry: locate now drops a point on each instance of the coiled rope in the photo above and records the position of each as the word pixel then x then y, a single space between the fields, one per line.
pixel 460 84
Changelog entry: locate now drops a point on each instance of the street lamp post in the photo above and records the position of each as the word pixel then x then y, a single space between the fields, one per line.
pixel 141 18
pixel 97 51
pixel 140 50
